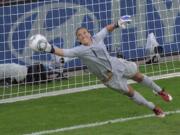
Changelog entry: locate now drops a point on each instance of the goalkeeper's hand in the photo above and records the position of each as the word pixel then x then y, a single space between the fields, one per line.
pixel 123 21
pixel 39 43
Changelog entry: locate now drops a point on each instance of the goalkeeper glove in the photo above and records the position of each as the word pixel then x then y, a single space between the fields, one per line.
pixel 123 21
pixel 39 43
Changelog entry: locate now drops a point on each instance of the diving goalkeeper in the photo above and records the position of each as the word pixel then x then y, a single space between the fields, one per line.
pixel 113 72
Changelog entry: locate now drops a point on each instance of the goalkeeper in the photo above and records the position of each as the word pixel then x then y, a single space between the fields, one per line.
pixel 113 72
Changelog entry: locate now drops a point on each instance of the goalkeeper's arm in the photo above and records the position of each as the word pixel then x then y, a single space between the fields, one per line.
pixel 58 51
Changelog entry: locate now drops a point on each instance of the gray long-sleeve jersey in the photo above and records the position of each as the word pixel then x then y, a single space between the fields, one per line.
pixel 96 57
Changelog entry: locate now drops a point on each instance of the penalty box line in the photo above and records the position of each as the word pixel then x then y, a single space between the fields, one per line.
pixel 118 120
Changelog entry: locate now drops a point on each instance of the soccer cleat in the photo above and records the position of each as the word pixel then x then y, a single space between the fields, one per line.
pixel 165 96
pixel 159 112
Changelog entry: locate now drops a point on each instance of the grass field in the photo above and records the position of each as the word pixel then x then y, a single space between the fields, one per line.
pixel 98 105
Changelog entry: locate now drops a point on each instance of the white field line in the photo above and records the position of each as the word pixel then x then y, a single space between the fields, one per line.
pixel 75 90
pixel 89 125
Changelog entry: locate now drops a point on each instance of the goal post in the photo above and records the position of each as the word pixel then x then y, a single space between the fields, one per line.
pixel 152 40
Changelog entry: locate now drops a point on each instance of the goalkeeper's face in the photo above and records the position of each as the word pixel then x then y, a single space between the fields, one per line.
pixel 83 36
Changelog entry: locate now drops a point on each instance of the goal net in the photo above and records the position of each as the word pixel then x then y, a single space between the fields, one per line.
pixel 152 40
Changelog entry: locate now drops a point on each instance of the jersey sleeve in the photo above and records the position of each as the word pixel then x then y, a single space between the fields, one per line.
pixel 101 35
pixel 72 52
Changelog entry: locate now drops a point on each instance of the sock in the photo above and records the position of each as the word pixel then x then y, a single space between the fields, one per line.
pixel 142 101
pixel 151 84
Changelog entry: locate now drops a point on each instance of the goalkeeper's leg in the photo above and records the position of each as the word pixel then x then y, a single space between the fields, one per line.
pixel 139 99
pixel 143 79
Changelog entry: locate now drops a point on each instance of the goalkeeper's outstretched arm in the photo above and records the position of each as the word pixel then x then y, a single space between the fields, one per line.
pixel 58 51
pixel 39 43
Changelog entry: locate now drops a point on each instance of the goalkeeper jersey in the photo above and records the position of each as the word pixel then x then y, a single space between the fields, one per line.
pixel 96 56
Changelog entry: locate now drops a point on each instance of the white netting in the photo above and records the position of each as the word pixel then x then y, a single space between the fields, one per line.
pixel 152 40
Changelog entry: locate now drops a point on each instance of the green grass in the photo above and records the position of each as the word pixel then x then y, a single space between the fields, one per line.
pixel 92 106
pixel 149 126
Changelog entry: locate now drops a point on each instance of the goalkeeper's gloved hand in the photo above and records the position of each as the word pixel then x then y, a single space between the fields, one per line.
pixel 123 21
pixel 39 43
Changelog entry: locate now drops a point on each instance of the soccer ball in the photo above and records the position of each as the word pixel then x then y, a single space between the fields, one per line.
pixel 38 42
